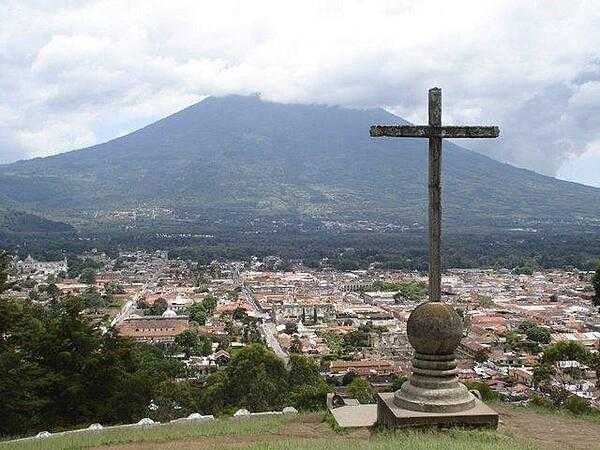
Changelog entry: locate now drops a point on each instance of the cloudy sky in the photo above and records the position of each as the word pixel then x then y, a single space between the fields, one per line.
pixel 75 73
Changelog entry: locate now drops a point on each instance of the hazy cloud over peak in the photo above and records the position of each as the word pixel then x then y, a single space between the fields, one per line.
pixel 76 73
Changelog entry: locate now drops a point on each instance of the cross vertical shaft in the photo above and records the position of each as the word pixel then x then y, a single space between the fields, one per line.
pixel 435 207
pixel 435 132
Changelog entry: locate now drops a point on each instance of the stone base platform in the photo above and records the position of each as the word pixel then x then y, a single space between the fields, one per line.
pixel 390 415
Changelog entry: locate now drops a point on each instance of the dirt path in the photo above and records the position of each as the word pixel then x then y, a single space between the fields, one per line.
pixel 545 430
pixel 549 431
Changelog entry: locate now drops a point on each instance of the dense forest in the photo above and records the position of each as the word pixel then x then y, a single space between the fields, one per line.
pixel 343 250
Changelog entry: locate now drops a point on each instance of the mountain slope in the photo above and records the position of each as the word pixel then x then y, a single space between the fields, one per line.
pixel 22 222
pixel 244 154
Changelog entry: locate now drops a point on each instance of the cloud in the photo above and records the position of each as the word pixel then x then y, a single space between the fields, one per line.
pixel 78 73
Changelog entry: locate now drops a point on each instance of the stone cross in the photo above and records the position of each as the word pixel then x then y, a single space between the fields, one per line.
pixel 433 395
pixel 434 132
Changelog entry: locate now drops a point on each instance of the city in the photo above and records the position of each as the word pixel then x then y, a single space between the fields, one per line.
pixel 350 323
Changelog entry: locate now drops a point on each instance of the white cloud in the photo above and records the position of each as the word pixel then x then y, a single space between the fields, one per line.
pixel 77 73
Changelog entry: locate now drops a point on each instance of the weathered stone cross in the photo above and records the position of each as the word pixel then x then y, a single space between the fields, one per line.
pixel 434 132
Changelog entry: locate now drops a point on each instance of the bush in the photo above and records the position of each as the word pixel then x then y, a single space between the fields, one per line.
pixel 487 393
pixel 577 405
pixel 310 397
pixel 361 390
pixel 541 401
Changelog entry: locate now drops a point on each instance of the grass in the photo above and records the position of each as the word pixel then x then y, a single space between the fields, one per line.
pixel 592 416
pixel 156 433
pixel 269 433
pixel 441 440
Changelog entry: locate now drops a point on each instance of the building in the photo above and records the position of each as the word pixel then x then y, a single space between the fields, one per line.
pixel 363 368
pixel 30 265
pixel 155 329
pixel 294 312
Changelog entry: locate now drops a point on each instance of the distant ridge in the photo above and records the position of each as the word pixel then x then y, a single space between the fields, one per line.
pixel 240 153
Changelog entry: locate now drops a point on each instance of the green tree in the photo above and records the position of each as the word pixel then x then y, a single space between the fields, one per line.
pixel 173 400
pixel 209 303
pixel 481 355
pixel 157 308
pixel 197 313
pixel 303 370
pixel 114 289
pixel 308 389
pixel 487 393
pixel 596 285
pixel 361 390
pixel 296 346
pixel 58 369
pixel 187 342
pixel 348 377
pixel 93 299
pixel 4 268
pixel 255 379
pixel 88 276
pixel 534 332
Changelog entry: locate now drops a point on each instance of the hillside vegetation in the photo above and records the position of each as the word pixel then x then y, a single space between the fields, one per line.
pixel 247 155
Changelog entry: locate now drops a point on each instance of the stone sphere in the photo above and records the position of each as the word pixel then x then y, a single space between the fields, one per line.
pixel 434 328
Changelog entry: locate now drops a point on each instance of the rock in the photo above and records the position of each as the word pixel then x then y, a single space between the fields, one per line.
pixel 43 434
pixel 95 426
pixel 198 416
pixel 241 412
pixel 290 410
pixel 146 421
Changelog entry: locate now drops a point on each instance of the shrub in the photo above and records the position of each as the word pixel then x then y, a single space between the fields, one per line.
pixel 487 393
pixel 577 405
pixel 361 390
pixel 541 401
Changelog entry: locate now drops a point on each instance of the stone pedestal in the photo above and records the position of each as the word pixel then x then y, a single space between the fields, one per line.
pixel 478 416
pixel 433 396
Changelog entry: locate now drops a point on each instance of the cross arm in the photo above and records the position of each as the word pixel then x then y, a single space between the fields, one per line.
pixel 425 131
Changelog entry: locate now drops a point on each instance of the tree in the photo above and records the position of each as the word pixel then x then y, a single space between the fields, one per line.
pixel 534 332
pixel 361 390
pixel 596 285
pixel 157 308
pixel 4 266
pixel 296 346
pixel 240 314
pixel 58 369
pixel 173 400
pixel 308 389
pixel 114 289
pixel 487 393
pixel 577 405
pixel 303 370
pixel 88 276
pixel 291 328
pixel 93 299
pixel 187 341
pixel 209 303
pixel 348 377
pixel 52 291
pixel 255 379
pixel 197 313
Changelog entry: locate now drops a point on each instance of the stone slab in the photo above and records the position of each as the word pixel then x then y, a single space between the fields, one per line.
pixel 390 415
pixel 355 416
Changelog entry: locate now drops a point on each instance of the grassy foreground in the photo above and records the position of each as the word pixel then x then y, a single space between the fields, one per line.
pixel 277 432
